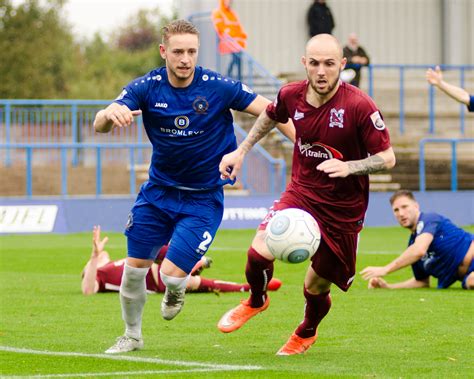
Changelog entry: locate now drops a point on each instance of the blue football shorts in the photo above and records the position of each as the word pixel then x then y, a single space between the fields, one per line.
pixel 188 220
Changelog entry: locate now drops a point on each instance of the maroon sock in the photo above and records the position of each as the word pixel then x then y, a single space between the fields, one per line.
pixel 161 254
pixel 259 272
pixel 211 285
pixel 316 308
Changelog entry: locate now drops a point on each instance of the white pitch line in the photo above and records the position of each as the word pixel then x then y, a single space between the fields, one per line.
pixel 131 359
pixel 115 373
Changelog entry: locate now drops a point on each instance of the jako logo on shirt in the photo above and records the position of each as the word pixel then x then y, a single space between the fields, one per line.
pixel 336 118
pixel 161 105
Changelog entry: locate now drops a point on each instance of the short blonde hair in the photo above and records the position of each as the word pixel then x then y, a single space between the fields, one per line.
pixel 177 27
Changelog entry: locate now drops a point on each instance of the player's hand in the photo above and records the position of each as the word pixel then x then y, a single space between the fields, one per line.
pixel 120 115
pixel 97 244
pixel 231 164
pixel 335 168
pixel 373 271
pixel 434 77
pixel 377 283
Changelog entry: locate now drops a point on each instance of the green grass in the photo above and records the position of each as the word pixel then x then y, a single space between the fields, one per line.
pixel 368 333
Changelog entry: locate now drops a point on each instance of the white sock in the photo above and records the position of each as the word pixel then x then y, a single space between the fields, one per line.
pixel 132 299
pixel 174 283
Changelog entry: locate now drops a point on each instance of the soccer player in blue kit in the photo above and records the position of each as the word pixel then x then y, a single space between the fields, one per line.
pixel 186 114
pixel 436 248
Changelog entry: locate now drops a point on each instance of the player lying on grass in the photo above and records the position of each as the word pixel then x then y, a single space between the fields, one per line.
pixel 436 248
pixel 101 274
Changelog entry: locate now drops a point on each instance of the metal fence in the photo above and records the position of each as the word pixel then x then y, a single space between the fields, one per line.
pixel 453 142
pixel 261 173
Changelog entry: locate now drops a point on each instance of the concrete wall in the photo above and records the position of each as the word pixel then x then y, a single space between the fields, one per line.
pixel 392 31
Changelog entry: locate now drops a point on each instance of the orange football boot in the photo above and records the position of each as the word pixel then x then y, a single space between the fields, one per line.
pixel 238 316
pixel 296 345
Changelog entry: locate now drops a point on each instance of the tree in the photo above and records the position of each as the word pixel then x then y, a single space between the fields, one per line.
pixel 38 50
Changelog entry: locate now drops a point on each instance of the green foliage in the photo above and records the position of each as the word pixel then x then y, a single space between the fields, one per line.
pixel 419 333
pixel 38 52
pixel 41 58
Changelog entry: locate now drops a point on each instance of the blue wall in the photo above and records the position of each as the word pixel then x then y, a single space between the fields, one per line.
pixel 80 214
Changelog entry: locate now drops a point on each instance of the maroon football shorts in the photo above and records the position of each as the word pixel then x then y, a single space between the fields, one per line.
pixel 335 259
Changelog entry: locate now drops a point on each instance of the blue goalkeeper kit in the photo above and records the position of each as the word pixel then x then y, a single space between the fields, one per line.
pixel 190 130
pixel 445 253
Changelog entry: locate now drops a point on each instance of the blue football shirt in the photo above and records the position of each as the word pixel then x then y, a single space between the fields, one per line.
pixel 445 253
pixel 190 128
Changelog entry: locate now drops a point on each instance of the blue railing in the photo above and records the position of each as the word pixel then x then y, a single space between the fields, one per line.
pixel 59 121
pixel 454 171
pixel 402 69
pixel 261 172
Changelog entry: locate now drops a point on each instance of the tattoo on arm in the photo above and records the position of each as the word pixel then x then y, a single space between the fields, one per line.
pixel 260 129
pixel 366 166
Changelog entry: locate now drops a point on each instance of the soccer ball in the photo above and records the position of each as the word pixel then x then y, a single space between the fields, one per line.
pixel 292 235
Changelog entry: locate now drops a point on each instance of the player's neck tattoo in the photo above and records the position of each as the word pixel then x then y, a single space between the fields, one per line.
pixel 366 166
pixel 260 129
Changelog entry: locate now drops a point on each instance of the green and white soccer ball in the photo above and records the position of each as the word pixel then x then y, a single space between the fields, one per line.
pixel 292 235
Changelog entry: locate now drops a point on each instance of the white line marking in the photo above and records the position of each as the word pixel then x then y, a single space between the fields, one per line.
pixel 131 359
pixel 116 373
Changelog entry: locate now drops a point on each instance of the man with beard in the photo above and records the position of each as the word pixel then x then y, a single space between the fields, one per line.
pixel 187 116
pixel 436 248
pixel 340 139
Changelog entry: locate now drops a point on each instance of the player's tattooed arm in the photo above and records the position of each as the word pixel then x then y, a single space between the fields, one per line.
pixel 260 129
pixel 372 164
pixel 336 168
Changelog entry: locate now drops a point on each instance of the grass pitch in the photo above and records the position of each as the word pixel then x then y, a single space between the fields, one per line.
pixel 49 329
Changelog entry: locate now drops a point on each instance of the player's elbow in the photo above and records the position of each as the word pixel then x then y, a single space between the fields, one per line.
pixel 391 162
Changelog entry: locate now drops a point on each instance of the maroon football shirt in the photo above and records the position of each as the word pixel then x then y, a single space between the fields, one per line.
pixel 348 127
pixel 109 277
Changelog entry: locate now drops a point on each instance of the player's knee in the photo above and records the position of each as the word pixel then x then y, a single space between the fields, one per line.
pixel 259 245
pixel 174 283
pixel 133 281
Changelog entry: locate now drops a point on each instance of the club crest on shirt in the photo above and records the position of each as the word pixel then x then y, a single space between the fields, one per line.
pixel 419 227
pixel 200 105
pixel 336 118
pixel 377 121
pixel 122 95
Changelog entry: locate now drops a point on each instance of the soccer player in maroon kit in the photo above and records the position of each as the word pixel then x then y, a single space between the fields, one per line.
pixel 340 139
pixel 101 274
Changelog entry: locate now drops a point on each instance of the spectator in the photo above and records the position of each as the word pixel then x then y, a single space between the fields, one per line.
pixel 435 78
pixel 232 37
pixel 101 274
pixel 436 248
pixel 356 57
pixel 319 18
